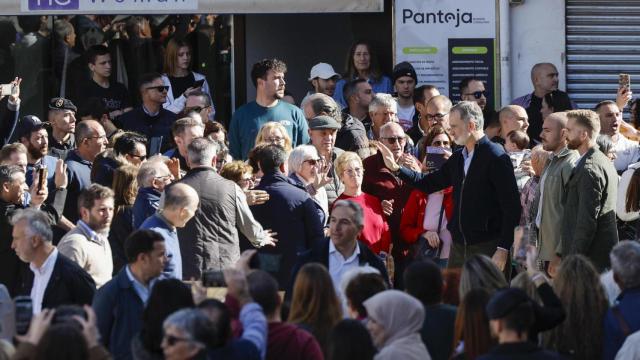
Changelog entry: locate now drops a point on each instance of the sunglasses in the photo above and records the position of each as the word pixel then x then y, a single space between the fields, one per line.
pixel 313 162
pixel 440 143
pixel 393 139
pixel 160 88
pixel 477 94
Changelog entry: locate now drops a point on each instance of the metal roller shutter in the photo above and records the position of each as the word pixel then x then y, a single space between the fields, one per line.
pixel 603 40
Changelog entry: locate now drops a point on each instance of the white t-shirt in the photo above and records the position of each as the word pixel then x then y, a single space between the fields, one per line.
pixel 405 116
pixel 627 153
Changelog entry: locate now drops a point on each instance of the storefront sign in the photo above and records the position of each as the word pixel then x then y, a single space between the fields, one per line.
pixel 70 7
pixel 106 5
pixel 448 40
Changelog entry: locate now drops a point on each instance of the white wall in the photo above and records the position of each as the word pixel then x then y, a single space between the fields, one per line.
pixel 537 35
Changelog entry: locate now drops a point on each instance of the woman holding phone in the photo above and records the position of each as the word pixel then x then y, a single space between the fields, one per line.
pixel 425 217
pixel 179 77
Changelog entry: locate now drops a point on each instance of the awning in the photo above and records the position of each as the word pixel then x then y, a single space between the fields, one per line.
pixel 69 7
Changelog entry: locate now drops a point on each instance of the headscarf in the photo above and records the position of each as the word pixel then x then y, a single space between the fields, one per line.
pixel 401 316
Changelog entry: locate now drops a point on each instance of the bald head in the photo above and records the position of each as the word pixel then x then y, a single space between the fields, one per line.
pixel 544 77
pixel 179 196
pixel 513 117
pixel 391 128
pixel 558 119
pixel 91 139
pixel 553 135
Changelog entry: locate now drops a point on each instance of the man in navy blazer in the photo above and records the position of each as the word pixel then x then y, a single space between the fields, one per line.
pixel 120 302
pixel 487 203
pixel 341 251
pixel 54 279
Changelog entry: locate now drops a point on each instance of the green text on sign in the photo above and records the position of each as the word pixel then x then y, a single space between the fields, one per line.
pixel 420 50
pixel 469 50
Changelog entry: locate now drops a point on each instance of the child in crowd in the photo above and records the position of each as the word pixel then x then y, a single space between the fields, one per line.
pixel 516 145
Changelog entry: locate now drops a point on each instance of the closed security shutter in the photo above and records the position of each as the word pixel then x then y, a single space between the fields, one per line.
pixel 603 40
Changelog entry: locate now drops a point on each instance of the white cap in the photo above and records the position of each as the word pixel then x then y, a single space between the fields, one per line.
pixel 322 71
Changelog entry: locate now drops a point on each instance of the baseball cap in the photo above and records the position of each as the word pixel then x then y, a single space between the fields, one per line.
pixel 505 301
pixel 404 69
pixel 27 125
pixel 322 71
pixel 323 122
pixel 59 103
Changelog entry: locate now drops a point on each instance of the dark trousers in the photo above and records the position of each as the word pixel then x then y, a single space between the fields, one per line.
pixel 460 253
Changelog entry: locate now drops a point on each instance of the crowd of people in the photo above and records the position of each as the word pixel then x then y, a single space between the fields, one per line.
pixel 378 219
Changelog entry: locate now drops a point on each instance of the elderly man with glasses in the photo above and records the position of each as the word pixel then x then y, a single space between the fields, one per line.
pixel 151 118
pixel 383 184
pixel 154 175
pixel 91 140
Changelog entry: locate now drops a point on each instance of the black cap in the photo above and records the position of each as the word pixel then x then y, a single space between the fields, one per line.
pixel 59 103
pixel 27 125
pixel 505 301
pixel 323 122
pixel 404 69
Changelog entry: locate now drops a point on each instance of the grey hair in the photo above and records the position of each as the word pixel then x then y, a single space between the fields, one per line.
pixel 358 214
pixel 323 104
pixel 195 323
pixel 383 101
pixel 37 223
pixel 84 130
pixel 62 28
pixel 480 272
pixel 8 172
pixel 388 126
pixel 625 263
pixel 178 196
pixel 149 170
pixel 470 111
pixel 298 155
pixel 202 151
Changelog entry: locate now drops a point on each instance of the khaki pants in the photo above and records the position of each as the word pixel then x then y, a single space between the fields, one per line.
pixel 460 253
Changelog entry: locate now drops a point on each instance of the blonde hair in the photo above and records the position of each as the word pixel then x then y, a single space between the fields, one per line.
pixel 589 120
pixel 344 159
pixel 274 125
pixel 234 170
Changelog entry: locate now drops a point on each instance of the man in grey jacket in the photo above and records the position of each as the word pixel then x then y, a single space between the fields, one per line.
pixel 589 220
pixel 553 184
pixel 210 239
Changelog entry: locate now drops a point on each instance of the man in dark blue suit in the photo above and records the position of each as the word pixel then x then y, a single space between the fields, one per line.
pixel 54 279
pixel 487 203
pixel 290 212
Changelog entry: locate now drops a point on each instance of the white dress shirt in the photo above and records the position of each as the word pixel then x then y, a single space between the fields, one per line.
pixel 41 279
pixel 338 265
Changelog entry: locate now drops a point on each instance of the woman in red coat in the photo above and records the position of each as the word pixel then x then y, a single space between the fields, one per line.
pixel 376 232
pixel 422 212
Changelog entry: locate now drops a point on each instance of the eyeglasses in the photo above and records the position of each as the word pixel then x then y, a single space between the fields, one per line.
pixel 164 177
pixel 477 94
pixel 394 139
pixel 141 157
pixel 161 88
pixel 352 172
pixel 199 108
pixel 436 116
pixel 440 143
pixel 275 139
pixel 172 340
pixel 313 162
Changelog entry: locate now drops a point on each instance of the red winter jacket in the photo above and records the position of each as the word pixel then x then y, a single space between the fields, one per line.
pixel 411 224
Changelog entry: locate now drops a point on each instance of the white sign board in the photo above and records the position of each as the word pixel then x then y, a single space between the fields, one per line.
pixel 447 40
